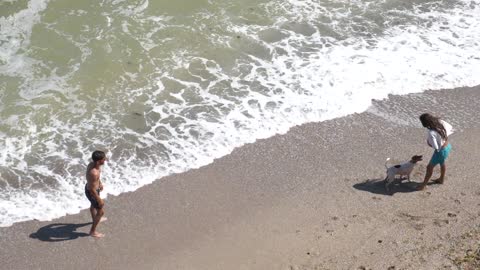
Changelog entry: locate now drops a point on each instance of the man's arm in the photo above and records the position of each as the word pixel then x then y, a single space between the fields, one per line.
pixel 93 184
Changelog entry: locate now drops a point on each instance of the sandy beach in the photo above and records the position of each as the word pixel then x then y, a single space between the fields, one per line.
pixel 312 198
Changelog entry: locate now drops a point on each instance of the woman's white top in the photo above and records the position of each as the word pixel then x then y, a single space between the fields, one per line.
pixel 435 140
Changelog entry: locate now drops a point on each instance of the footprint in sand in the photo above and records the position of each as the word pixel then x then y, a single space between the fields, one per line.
pixel 415 221
pixel 425 194
pixel 419 226
pixel 410 217
pixel 364 268
pixel 441 222
pixel 451 215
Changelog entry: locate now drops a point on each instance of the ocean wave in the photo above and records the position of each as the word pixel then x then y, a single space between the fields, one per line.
pixel 166 92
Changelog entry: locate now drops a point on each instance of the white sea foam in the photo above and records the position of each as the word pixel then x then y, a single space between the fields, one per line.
pixel 15 35
pixel 279 84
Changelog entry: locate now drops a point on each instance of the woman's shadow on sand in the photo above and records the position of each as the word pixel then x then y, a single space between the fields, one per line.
pixel 59 232
pixel 377 186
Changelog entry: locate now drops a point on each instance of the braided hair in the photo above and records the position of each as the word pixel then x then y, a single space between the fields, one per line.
pixel 431 122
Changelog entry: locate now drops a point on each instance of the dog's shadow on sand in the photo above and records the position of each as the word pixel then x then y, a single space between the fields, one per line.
pixel 377 186
pixel 59 232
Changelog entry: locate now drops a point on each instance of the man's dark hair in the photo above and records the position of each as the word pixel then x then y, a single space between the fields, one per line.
pixel 98 155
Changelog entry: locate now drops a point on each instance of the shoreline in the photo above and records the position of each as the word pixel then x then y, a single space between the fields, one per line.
pixel 307 199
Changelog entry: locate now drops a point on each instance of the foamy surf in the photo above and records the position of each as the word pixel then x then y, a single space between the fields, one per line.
pixel 166 89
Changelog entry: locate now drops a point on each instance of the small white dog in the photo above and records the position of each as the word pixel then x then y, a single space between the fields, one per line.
pixel 404 169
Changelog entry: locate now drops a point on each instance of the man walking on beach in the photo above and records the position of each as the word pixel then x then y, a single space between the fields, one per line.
pixel 92 191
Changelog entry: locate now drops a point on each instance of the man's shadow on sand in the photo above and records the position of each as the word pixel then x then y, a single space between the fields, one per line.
pixel 59 232
pixel 377 186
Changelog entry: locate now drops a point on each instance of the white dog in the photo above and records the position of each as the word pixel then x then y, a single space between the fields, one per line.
pixel 404 169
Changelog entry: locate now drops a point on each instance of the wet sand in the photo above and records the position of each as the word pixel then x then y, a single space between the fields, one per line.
pixel 312 198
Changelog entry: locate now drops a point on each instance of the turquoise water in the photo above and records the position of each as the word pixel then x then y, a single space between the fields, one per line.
pixel 166 86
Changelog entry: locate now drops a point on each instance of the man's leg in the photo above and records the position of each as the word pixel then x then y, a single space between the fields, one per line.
pixel 93 212
pixel 428 175
pixel 96 220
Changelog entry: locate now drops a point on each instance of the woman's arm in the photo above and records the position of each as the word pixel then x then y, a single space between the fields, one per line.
pixel 433 140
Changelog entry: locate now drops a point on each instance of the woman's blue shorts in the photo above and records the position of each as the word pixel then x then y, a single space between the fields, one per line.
pixel 440 156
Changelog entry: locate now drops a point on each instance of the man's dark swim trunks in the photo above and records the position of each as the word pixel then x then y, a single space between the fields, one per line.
pixel 91 198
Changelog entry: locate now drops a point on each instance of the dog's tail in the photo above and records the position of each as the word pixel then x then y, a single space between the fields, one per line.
pixel 386 161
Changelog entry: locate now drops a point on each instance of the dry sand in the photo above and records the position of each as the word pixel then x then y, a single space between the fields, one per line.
pixel 309 199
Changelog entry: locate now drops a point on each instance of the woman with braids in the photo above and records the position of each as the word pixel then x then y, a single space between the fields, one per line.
pixel 437 138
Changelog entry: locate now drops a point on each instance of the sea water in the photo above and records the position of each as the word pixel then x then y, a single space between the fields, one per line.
pixel 167 86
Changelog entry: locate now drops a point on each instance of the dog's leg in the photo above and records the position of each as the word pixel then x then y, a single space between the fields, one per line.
pixel 388 182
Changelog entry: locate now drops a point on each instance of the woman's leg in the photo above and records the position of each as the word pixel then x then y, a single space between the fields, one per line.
pixel 443 170
pixel 443 166
pixel 428 175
